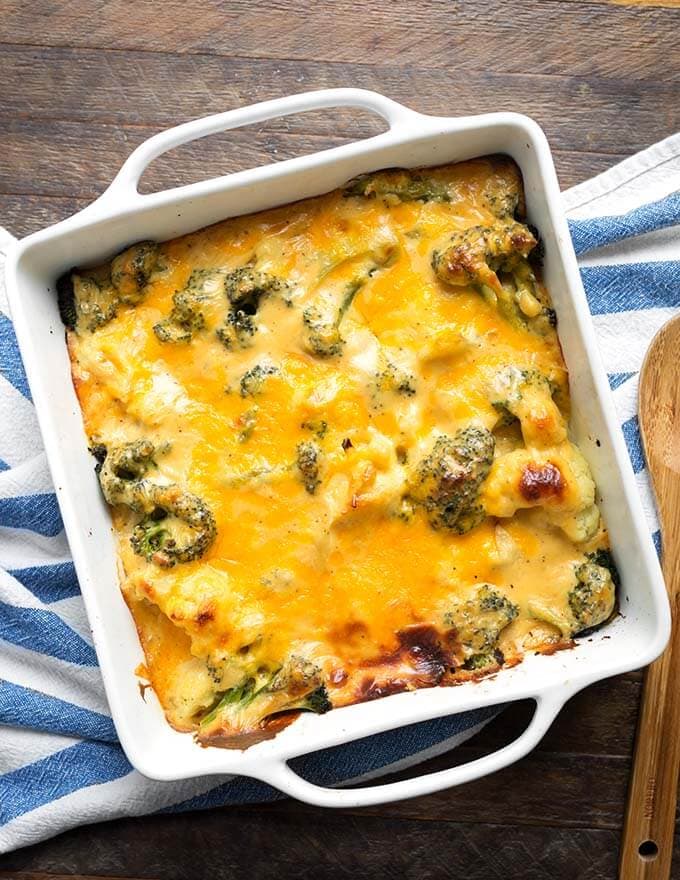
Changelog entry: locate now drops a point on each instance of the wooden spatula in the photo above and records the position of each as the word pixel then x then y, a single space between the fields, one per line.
pixel 647 845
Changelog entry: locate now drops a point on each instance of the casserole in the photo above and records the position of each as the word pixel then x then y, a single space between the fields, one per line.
pixel 122 215
pixel 337 457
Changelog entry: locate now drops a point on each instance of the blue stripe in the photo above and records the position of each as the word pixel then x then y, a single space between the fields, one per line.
pixel 632 286
pixel 631 434
pixel 3 466
pixel 38 513
pixel 610 289
pixel 24 707
pixel 49 583
pixel 656 537
pixel 240 790
pixel 43 631
pixel 332 766
pixel 60 774
pixel 617 379
pixel 600 231
pixel 11 366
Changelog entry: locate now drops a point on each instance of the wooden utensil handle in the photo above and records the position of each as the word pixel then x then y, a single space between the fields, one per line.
pixel 647 845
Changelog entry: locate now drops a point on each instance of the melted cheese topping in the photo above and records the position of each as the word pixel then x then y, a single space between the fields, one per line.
pixel 338 570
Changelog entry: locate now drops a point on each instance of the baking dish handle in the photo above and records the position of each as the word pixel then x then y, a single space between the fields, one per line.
pixel 127 180
pixel 288 781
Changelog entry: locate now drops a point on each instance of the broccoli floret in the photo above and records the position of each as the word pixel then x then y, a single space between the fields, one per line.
pixel 393 379
pixel 318 427
pixel 446 483
pixel 505 416
pixel 322 335
pixel 322 320
pixel 605 559
pixel 307 462
pixel 122 471
pixel 318 701
pixel 245 289
pixel 96 302
pixel 398 185
pixel 98 451
pixel 502 193
pixel 494 261
pixel 132 269
pixel 592 600
pixel 89 299
pixel 297 686
pixel 253 380
pixel 516 393
pixel 184 321
pixel 187 317
pixel 478 619
pixel 150 534
pixel 588 604
pixel 475 255
pixel 501 202
pixel 237 331
pixel 484 661
pixel 188 528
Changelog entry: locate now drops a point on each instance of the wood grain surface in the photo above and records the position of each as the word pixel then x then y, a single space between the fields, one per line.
pixel 84 82
pixel 649 824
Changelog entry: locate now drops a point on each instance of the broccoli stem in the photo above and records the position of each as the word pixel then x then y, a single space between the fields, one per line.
pixel 334 295
pixel 495 261
pixel 297 685
pixel 398 185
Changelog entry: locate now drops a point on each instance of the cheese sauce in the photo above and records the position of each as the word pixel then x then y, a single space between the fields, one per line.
pixel 312 462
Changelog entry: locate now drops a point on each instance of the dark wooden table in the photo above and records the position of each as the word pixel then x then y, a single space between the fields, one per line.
pixel 82 83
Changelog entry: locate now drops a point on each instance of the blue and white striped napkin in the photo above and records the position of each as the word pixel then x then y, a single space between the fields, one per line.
pixel 60 762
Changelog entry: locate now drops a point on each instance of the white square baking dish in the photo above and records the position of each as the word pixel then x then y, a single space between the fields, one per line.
pixel 122 215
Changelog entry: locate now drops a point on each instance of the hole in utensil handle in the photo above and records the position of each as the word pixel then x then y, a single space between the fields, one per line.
pixel 648 850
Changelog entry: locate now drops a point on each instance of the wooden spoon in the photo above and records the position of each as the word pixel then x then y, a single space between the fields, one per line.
pixel 647 845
